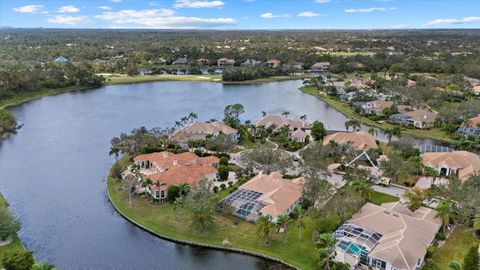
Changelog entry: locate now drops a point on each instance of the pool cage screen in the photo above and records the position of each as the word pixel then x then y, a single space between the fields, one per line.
pixel 245 203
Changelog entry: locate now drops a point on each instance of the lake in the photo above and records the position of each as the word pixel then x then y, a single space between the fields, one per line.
pixel 53 171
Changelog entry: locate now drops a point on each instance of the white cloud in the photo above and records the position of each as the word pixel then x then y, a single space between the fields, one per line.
pixel 69 20
pixel 307 14
pixel 321 1
pixel 371 9
pixel 29 9
pixel 270 15
pixel 399 26
pixel 104 8
pixel 68 9
pixel 160 18
pixel 452 21
pixel 197 4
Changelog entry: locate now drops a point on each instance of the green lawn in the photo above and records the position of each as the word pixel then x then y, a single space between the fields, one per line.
pixel 161 219
pixel 124 79
pixel 454 248
pixel 379 198
pixel 16 245
pixel 434 133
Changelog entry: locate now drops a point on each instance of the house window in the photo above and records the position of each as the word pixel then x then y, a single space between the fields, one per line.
pixel 419 261
pixel 157 194
pixel 162 193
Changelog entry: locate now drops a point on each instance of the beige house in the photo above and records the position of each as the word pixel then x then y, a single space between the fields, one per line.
pixel 422 118
pixel 299 129
pixel 320 67
pixel 200 131
pixel 389 237
pixel 273 63
pixel 225 62
pixel 461 163
pixel 359 140
pixel 270 195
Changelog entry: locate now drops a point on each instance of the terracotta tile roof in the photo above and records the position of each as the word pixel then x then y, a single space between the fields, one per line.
pixel 278 194
pixel 280 121
pixel 320 64
pixel 466 162
pixel 299 134
pixel 165 160
pixel 473 122
pixel 406 235
pixel 360 140
pixel 190 174
pixel 274 62
pixel 476 89
pixel 200 130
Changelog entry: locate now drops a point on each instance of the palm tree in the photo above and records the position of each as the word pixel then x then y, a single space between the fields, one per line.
pixel 264 113
pixel 192 116
pixel 145 183
pixel 326 249
pixel 184 119
pixel 202 216
pixel 282 222
pixel 178 124
pixel 43 266
pixel 390 132
pixel 303 117
pixel 373 131
pixel 364 189
pixel 455 265
pixel 285 113
pixel 265 229
pixel 298 213
pixel 183 189
pixel 476 224
pixel 446 212
pixel 178 206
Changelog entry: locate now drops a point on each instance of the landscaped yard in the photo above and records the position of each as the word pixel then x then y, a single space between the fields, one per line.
pixel 161 218
pixel 454 248
pixel 434 133
pixel 379 198
pixel 16 245
pixel 124 79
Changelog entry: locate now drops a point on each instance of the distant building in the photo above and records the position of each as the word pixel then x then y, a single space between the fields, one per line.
pixel 182 61
pixel 267 195
pixel 470 128
pixel 203 62
pixel 225 62
pixel 298 129
pixel 320 67
pixel 251 62
pixel 144 71
pixel 273 63
pixel 461 163
pixel 61 59
pixel 389 237
pixel 373 107
pixel 359 140
pixel 160 62
pixel 423 119
pixel 200 131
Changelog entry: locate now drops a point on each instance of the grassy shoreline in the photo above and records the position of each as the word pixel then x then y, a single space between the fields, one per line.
pixel 161 220
pixel 433 133
pixel 16 244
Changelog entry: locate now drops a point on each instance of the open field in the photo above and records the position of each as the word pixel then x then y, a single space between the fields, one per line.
pixel 162 219
pixel 434 133
pixel 16 245
pixel 455 248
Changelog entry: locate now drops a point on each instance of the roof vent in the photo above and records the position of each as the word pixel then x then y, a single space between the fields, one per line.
pixel 386 212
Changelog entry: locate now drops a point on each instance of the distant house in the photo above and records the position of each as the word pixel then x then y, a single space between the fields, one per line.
pixel 423 119
pixel 144 71
pixel 225 62
pixel 182 61
pixel 373 107
pixel 320 67
pixel 387 236
pixel 160 62
pixel 359 140
pixel 61 59
pixel 200 131
pixel 267 195
pixel 203 62
pixel 273 63
pixel 476 90
pixel 298 65
pixel 298 129
pixel 251 62
pixel 165 169
pixel 461 163
pixel 470 128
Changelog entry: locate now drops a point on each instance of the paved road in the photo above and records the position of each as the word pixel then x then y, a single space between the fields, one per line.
pixel 392 190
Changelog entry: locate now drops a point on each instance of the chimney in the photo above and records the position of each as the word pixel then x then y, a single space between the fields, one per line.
pixel 164 154
pixel 175 162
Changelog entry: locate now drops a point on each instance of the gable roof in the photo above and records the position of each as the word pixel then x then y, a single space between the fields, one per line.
pixel 466 162
pixel 422 116
pixel 473 122
pixel 190 174
pixel 280 121
pixel 360 140
pixel 166 160
pixel 406 235
pixel 199 130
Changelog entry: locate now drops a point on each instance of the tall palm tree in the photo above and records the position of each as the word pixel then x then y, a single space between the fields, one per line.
pixel 192 116
pixel 282 222
pixel 184 119
pixel 264 113
pixel 373 131
pixel 299 213
pixel 178 206
pixel 285 113
pixel 265 229
pixel 178 124
pixel 202 216
pixel 326 248
pixel 145 183
pixel 303 117
pixel 364 189
pixel 446 212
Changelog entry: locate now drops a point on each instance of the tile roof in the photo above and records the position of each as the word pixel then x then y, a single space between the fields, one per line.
pixel 200 130
pixel 165 160
pixel 422 116
pixel 280 121
pixel 473 122
pixel 190 174
pixel 466 162
pixel 360 140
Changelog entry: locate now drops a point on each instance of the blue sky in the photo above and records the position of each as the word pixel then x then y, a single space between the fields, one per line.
pixel 241 14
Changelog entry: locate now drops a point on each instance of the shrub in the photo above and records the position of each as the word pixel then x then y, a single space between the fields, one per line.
pixel 172 193
pixel 223 172
pixel 329 224
pixel 8 224
pixel 19 261
pixel 223 186
pixel 230 183
pixel 215 189
pixel 441 235
pixel 430 250
pixel 223 161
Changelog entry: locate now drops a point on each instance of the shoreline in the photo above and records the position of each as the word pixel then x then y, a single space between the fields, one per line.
pixel 347 111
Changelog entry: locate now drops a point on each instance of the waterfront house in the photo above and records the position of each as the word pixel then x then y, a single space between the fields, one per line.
pixel 471 128
pixel 144 71
pixel 389 237
pixel 160 62
pixel 273 63
pixel 373 107
pixel 320 67
pixel 298 129
pixel 225 62
pixel 200 131
pixel 460 163
pixel 203 62
pixel 251 62
pixel 422 119
pixel 181 61
pixel 359 140
pixel 265 194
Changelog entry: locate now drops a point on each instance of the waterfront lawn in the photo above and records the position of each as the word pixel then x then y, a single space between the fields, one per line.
pixel 161 219
pixel 455 248
pixel 434 133
pixel 15 245
pixel 379 198
pixel 124 79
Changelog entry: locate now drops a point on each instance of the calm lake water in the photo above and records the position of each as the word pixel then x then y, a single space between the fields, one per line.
pixel 53 171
